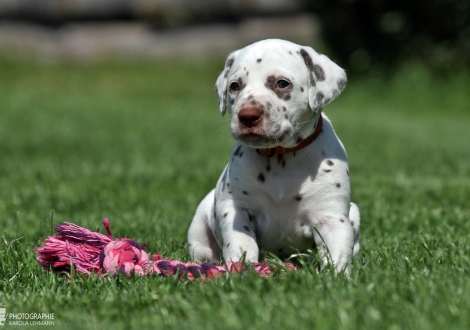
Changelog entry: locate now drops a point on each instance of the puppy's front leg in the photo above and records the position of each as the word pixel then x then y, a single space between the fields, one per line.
pixel 237 234
pixel 334 237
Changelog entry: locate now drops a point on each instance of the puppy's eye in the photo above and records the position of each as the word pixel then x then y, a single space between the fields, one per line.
pixel 234 86
pixel 282 83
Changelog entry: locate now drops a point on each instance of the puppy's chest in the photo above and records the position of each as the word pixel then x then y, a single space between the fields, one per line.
pixel 278 179
pixel 277 192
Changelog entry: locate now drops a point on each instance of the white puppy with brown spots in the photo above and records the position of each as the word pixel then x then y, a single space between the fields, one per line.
pixel 286 186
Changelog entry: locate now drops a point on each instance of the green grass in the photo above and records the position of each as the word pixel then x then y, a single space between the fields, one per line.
pixel 143 143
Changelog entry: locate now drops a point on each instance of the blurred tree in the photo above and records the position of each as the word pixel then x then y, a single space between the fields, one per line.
pixel 366 33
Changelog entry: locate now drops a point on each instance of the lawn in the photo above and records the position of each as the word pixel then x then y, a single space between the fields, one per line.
pixel 141 144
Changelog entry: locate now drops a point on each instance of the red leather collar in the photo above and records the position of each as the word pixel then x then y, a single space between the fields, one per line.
pixel 305 142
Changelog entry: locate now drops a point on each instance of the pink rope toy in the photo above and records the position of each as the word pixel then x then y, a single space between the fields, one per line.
pixel 91 252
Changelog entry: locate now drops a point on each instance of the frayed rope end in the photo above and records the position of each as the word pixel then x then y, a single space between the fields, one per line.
pixel 91 252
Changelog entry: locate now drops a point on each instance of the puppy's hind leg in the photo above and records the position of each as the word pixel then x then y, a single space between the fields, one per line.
pixel 201 241
pixel 355 219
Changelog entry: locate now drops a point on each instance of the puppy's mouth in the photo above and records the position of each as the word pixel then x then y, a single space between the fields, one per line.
pixel 257 138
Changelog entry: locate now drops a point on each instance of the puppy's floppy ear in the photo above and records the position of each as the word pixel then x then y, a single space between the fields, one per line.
pixel 222 82
pixel 326 80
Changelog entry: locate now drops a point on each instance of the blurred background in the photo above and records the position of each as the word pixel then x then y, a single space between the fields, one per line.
pixel 359 34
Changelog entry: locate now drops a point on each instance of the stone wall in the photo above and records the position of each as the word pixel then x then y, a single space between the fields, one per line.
pixel 138 40
pixel 91 30
pixel 169 12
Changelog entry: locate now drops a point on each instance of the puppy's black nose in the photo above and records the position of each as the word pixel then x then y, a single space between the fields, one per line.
pixel 250 117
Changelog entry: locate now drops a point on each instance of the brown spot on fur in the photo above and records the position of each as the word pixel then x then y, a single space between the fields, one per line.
pixel 319 72
pixel 338 185
pixel 228 66
pixel 225 215
pixel 308 62
pixel 298 197
pixel 282 93
pixel 245 192
pixel 327 171
pixel 268 168
pixel 319 97
pixel 329 162
pixel 342 83
pixel 342 220
pixel 261 177
pixel 301 89
pixel 258 60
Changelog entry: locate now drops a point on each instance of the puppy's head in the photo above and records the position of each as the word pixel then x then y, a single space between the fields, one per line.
pixel 275 90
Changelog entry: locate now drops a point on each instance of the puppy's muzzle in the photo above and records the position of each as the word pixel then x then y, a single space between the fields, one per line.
pixel 251 117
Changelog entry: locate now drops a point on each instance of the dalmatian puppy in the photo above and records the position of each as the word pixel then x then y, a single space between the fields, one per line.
pixel 286 186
